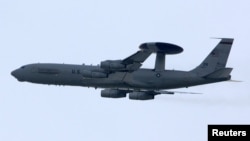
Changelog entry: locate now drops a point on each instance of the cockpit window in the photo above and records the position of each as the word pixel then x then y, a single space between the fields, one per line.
pixel 22 67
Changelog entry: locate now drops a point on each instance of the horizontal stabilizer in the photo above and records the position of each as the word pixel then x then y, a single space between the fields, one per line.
pixel 220 73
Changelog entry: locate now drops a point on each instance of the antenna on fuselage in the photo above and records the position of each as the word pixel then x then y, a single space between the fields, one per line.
pixel 161 50
pixel 160 62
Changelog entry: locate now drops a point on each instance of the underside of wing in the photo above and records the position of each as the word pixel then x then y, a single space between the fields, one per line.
pixel 137 94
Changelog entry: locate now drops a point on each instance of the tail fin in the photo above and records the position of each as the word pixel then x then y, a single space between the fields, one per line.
pixel 216 60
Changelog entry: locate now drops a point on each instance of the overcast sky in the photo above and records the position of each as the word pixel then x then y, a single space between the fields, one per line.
pixel 76 32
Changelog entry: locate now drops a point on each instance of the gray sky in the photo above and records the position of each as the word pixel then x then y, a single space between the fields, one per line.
pixel 74 31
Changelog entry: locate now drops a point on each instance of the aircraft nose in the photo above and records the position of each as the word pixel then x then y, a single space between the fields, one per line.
pixel 16 74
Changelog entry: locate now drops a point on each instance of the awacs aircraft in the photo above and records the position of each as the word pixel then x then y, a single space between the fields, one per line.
pixel 122 77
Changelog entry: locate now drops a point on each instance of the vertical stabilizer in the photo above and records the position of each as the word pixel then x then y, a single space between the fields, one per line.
pixel 217 58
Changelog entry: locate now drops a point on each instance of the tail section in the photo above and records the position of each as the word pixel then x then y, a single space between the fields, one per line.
pixel 215 63
pixel 220 74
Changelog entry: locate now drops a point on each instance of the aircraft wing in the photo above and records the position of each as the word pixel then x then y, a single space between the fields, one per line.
pixel 131 63
pixel 173 92
pixel 137 94
pixel 135 61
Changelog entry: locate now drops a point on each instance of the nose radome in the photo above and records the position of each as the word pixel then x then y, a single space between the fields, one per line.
pixel 13 73
pixel 17 75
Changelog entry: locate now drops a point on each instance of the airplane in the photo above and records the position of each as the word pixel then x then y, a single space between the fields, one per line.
pixel 118 78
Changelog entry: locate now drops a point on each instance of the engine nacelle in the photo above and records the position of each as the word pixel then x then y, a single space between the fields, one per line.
pixel 93 74
pixel 111 93
pixel 141 96
pixel 112 65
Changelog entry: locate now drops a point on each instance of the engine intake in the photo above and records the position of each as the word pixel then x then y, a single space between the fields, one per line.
pixel 141 96
pixel 111 93
pixel 112 65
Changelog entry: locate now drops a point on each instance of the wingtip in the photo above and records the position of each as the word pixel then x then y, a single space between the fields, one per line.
pixel 221 38
pixel 234 81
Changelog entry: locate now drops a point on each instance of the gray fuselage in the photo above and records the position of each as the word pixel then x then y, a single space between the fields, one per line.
pixel 141 79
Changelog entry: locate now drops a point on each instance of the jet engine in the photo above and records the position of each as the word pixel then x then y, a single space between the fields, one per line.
pixel 112 93
pixel 141 96
pixel 112 65
pixel 93 74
